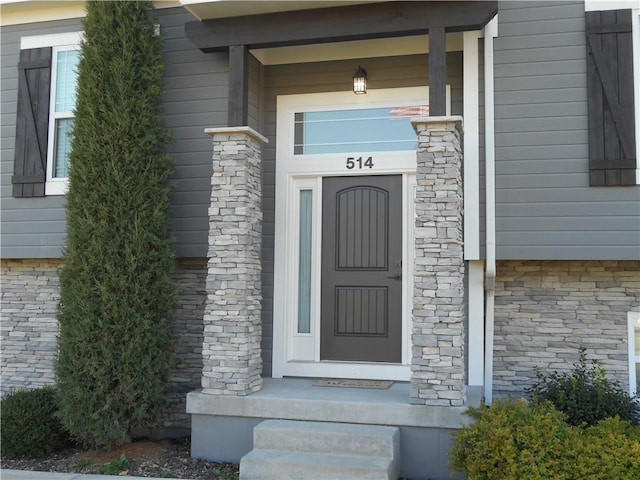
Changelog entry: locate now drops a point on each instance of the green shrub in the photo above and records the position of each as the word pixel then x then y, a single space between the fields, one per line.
pixel 609 449
pixel 29 426
pixel 511 439
pixel 515 440
pixel 116 293
pixel 585 395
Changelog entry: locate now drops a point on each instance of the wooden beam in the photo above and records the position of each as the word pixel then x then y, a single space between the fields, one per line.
pixel 355 22
pixel 238 114
pixel 437 72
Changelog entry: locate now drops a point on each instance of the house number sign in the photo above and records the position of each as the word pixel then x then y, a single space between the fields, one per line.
pixel 360 163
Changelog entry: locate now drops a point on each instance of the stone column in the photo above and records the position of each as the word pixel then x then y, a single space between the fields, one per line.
pixel 231 356
pixel 438 365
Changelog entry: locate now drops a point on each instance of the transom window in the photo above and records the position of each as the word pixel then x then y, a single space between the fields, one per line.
pixel 356 130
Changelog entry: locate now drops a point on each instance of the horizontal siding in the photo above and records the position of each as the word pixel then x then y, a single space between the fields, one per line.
pixel 195 98
pixel 30 227
pixel 545 207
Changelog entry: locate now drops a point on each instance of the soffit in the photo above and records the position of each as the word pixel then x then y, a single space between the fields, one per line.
pixel 15 12
pixel 210 9
pixel 379 47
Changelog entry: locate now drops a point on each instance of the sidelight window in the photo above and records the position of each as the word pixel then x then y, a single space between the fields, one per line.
pixel 304 261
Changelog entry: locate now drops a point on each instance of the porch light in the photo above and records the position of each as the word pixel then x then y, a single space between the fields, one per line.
pixel 360 81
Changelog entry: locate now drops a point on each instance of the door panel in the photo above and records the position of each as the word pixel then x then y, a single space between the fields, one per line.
pixel 361 308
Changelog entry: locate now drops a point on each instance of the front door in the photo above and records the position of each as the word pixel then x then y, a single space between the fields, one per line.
pixel 361 273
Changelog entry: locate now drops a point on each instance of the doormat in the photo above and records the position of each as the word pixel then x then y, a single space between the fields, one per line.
pixel 352 383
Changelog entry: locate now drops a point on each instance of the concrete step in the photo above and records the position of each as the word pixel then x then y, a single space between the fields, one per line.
pixel 272 464
pixel 327 438
pixel 289 449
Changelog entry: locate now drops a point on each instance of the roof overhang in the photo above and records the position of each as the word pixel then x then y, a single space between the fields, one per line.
pixel 210 9
pixel 339 24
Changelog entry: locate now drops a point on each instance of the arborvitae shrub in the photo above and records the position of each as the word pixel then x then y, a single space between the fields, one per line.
pixel 29 427
pixel 513 440
pixel 585 394
pixel 117 297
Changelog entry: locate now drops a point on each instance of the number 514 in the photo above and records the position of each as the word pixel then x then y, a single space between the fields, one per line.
pixel 353 162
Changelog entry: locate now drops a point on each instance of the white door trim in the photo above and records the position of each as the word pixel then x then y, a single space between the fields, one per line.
pixel 297 354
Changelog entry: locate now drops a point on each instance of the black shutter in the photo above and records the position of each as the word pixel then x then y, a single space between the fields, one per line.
pixel 32 123
pixel 612 147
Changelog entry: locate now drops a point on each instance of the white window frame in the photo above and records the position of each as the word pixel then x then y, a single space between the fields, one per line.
pixel 634 357
pixel 58 42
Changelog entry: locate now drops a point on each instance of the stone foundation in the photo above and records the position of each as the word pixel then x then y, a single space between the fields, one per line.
pixel 30 295
pixel 546 310
pixel 190 277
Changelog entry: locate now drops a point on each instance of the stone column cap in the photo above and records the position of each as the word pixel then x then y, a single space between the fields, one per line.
pixel 213 131
pixel 436 120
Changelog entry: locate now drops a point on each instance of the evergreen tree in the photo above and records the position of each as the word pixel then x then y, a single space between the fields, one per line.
pixel 117 298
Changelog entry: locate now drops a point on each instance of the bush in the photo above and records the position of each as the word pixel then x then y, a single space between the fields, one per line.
pixel 116 292
pixel 510 440
pixel 515 440
pixel 30 428
pixel 610 449
pixel 585 395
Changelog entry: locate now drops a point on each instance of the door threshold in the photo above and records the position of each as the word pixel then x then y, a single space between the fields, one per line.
pixel 345 370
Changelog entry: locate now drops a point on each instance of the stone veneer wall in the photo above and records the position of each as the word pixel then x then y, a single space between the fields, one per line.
pixel 438 363
pixel 546 310
pixel 29 329
pixel 190 277
pixel 231 353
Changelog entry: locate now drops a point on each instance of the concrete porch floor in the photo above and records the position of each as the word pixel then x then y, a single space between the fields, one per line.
pixel 299 399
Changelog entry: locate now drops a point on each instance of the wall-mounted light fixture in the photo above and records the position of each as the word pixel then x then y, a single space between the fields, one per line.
pixel 360 81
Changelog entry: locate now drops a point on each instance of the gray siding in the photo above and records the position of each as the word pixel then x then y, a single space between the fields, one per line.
pixel 195 98
pixel 31 227
pixel 544 205
pixel 388 72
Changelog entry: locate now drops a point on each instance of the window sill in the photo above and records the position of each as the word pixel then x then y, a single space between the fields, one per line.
pixel 56 187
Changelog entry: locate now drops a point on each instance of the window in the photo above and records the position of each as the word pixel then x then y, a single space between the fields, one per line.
pixel 46 100
pixel 62 103
pixel 356 130
pixel 634 352
pixel 304 261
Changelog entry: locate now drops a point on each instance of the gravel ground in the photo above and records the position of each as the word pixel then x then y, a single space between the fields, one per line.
pixel 164 459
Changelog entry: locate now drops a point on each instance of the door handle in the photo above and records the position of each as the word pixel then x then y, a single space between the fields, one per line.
pixel 396 277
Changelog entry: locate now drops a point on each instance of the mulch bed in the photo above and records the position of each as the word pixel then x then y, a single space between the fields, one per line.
pixel 164 459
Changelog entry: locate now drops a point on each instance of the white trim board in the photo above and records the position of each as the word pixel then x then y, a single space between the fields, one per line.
pixel 634 357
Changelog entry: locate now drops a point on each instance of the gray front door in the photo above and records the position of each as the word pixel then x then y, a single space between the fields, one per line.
pixel 361 307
